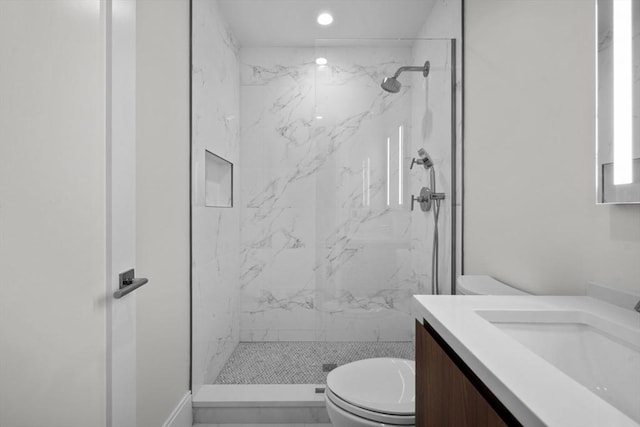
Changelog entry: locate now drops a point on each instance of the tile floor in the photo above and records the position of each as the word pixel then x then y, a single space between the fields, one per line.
pixel 300 362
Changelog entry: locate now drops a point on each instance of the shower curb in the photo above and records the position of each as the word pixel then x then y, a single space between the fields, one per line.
pixel 260 404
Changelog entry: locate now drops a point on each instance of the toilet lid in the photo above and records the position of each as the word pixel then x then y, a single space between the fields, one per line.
pixel 385 385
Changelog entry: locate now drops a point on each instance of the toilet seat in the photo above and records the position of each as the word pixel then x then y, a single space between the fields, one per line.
pixel 376 417
pixel 380 390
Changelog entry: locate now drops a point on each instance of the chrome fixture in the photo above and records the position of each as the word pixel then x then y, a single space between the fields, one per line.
pixel 129 283
pixel 637 307
pixel 424 160
pixel 425 199
pixel 426 194
pixel 429 197
pixel 392 85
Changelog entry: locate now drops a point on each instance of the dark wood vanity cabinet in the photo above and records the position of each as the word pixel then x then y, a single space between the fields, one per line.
pixel 448 393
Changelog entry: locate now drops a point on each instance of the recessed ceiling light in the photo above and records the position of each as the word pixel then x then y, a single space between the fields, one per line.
pixel 325 18
pixel 321 61
pixel 319 117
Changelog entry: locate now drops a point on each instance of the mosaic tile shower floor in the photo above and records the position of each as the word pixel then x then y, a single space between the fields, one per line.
pixel 300 362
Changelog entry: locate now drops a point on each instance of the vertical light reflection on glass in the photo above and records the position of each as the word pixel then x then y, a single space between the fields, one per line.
pixel 622 91
pixel 364 192
pixel 400 156
pixel 388 171
pixel 368 181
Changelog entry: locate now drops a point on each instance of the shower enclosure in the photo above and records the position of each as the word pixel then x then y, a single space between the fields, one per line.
pixel 320 251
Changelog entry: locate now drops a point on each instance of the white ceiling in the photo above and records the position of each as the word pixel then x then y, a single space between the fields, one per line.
pixel 293 22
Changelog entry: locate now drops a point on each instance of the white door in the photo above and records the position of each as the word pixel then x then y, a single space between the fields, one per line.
pixel 121 201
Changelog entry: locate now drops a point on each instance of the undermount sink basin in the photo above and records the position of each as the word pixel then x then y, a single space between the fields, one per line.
pixel 599 354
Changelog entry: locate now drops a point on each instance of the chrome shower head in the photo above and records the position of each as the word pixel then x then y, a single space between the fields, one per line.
pixel 391 84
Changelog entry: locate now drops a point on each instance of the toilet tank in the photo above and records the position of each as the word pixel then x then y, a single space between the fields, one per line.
pixel 484 285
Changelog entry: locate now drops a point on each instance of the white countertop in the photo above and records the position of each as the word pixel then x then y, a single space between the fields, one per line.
pixel 536 392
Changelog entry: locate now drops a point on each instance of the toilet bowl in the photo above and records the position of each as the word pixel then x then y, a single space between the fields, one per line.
pixel 484 285
pixel 372 393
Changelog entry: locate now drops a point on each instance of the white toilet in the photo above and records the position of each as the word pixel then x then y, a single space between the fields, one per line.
pixel 372 393
pixel 381 392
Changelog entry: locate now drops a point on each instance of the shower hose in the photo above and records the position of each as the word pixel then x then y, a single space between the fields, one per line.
pixel 435 286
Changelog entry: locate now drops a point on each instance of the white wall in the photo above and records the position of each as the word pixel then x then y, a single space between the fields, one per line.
pixel 52 204
pixel 162 208
pixel 530 214
pixel 52 214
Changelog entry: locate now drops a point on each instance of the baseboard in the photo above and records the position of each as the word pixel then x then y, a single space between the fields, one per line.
pixel 182 414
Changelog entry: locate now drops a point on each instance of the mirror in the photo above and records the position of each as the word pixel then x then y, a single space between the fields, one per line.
pixel 618 102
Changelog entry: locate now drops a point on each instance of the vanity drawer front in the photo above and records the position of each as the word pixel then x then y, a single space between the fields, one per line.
pixel 448 393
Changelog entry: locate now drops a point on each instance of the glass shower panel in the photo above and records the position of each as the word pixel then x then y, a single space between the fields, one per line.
pixel 330 250
pixel 372 252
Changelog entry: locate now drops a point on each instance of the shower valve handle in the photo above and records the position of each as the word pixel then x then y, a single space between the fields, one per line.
pixel 425 198
pixel 414 199
pixel 415 161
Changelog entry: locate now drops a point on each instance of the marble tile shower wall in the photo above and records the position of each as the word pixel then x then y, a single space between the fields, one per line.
pixel 444 21
pixel 431 130
pixel 327 250
pixel 216 231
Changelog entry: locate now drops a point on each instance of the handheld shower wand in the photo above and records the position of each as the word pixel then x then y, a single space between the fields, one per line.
pixel 427 197
pixel 424 160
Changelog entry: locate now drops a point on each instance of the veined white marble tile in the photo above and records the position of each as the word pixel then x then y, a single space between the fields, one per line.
pixel 367 326
pixel 260 335
pixel 431 113
pixel 359 65
pixel 274 310
pixel 444 21
pixel 322 248
pixel 248 334
pixel 216 231
pixel 276 65
pixel 215 310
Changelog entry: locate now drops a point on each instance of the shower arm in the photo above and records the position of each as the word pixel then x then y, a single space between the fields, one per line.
pixel 425 69
pixel 408 68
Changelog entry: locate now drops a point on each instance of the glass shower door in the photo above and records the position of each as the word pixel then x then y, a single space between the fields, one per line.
pixel 372 252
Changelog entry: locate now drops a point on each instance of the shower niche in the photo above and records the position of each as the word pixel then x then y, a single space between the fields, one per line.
pixel 218 188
